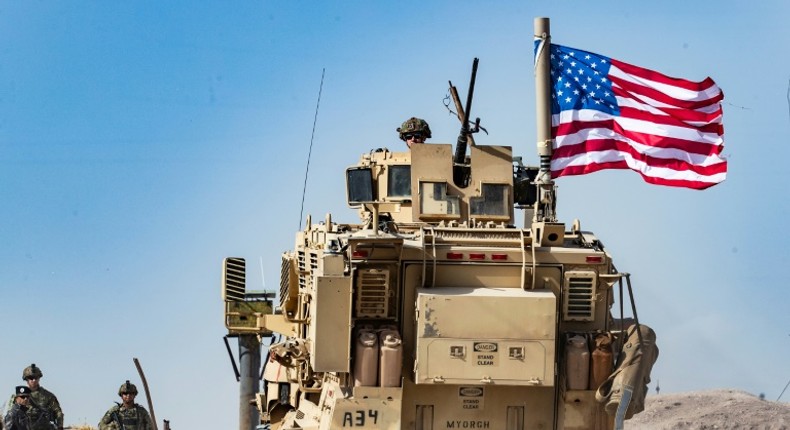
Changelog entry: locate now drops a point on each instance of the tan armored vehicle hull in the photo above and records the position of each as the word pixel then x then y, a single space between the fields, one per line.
pixel 465 322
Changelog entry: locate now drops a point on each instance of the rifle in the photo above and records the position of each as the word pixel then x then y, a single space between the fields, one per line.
pixel 116 417
pixel 44 413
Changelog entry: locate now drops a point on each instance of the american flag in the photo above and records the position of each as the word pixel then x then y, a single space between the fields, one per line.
pixel 607 114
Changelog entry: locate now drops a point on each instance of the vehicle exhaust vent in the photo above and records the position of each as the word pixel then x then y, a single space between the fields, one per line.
pixel 285 278
pixel 233 279
pixel 313 262
pixel 579 297
pixel 300 261
pixel 372 293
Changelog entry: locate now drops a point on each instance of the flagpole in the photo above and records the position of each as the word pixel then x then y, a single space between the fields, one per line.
pixel 544 208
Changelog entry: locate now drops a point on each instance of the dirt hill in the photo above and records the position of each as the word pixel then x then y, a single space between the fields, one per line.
pixel 715 409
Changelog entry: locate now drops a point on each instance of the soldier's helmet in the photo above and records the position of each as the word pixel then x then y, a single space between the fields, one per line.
pixel 127 388
pixel 31 372
pixel 414 125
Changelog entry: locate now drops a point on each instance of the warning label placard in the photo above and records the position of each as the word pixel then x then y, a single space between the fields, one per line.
pixel 471 397
pixel 485 354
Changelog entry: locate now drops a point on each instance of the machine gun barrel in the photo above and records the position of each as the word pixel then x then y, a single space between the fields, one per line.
pixel 459 108
pixel 463 136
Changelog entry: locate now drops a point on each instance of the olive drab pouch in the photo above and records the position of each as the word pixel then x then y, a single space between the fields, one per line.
pixel 623 392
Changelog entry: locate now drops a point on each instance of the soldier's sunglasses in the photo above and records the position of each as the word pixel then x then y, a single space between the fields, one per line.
pixel 413 136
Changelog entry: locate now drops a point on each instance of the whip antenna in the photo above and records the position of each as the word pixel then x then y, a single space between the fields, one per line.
pixel 304 188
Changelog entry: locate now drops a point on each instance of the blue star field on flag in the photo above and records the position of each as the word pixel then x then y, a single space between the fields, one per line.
pixel 580 81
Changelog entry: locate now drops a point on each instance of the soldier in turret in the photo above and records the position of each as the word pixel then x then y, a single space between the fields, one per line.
pixel 414 130
pixel 16 418
pixel 43 410
pixel 126 415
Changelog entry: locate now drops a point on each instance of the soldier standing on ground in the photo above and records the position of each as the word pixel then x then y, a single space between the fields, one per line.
pixel 43 409
pixel 414 130
pixel 16 418
pixel 126 415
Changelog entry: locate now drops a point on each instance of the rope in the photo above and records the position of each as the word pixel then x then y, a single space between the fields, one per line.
pixel 543 37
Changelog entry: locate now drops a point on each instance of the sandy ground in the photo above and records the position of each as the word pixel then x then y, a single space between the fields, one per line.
pixel 715 409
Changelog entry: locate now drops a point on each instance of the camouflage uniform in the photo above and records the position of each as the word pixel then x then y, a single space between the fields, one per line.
pixel 16 418
pixel 134 418
pixel 123 417
pixel 44 410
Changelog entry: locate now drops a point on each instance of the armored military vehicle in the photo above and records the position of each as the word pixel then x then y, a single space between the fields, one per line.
pixel 435 311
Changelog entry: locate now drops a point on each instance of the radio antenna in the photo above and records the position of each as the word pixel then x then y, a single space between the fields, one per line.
pixel 263 275
pixel 307 170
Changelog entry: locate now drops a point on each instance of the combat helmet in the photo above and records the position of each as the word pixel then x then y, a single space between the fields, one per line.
pixel 414 125
pixel 31 371
pixel 127 387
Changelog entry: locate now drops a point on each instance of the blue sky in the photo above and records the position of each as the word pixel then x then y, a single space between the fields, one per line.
pixel 142 142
